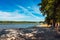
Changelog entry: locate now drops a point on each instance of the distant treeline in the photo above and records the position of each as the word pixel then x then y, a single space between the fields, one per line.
pixel 17 22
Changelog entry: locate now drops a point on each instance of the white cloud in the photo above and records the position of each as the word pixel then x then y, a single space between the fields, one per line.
pixel 4 14
pixel 28 12
pixel 36 9
pixel 18 16
pixel 11 15
pixel 29 7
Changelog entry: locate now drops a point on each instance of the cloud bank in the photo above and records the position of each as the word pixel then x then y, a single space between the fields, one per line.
pixel 21 15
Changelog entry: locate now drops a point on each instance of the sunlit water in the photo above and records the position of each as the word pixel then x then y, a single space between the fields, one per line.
pixel 5 26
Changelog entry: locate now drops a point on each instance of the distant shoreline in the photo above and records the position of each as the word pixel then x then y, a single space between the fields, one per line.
pixel 15 22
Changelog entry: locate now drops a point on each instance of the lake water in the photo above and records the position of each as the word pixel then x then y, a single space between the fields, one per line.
pixel 5 26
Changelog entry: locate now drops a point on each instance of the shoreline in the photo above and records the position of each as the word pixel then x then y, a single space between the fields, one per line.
pixel 30 33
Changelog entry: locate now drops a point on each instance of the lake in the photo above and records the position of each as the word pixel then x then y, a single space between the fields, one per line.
pixel 5 26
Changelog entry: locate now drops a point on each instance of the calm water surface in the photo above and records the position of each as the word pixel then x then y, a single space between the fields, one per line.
pixel 5 26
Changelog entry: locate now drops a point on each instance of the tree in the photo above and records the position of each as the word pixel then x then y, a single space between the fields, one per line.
pixel 51 8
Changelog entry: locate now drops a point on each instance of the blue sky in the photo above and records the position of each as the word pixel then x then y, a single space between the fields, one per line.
pixel 20 10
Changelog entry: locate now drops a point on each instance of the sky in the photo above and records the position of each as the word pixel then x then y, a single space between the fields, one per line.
pixel 20 10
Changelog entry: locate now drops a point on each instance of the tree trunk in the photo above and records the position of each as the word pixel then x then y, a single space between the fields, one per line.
pixel 53 24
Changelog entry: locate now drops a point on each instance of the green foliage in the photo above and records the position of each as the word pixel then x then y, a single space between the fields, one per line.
pixel 51 8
